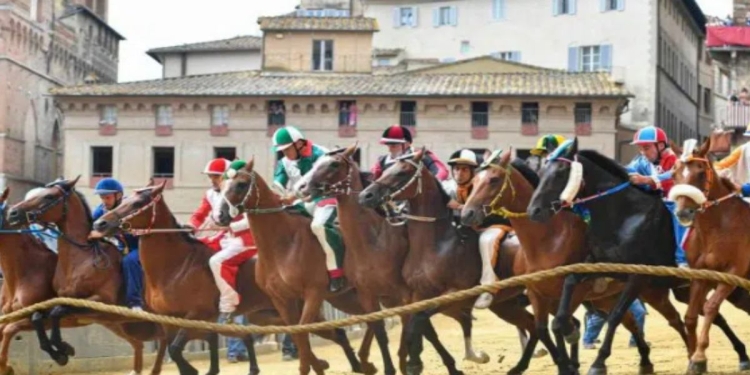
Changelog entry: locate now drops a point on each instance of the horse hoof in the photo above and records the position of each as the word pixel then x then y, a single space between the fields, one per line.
pixel 744 366
pixel 515 371
pixel 539 353
pixel 68 349
pixel 695 368
pixel 368 368
pixel 479 357
pixel 414 370
pixel 61 359
pixel 646 370
pixel 573 337
pixel 323 364
pixel 598 371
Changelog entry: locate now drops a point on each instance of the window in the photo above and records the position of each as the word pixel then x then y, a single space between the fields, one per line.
pixel 465 47
pixel 508 56
pixel 348 113
pixel 530 113
pixel 229 153
pixel 480 114
pixel 108 115
pixel 220 115
pixel 563 7
pixel 445 16
pixel 322 59
pixel 101 161
pixel 609 5
pixel 498 9
pixel 276 113
pixel 163 162
pixel 405 16
pixel 164 115
pixel 707 97
pixel 583 113
pixel 590 58
pixel 408 113
pixel 383 62
pixel 34 10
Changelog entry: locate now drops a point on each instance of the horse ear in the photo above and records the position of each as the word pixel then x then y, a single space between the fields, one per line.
pixel 159 188
pixel 419 154
pixel 705 147
pixel 73 182
pixel 505 157
pixel 351 149
pixel 250 164
pixel 150 182
pixel 574 147
pixel 6 192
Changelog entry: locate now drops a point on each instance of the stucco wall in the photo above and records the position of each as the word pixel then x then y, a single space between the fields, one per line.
pixel 293 50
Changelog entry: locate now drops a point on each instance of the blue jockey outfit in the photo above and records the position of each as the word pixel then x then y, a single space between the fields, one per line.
pixel 132 271
pixel 660 173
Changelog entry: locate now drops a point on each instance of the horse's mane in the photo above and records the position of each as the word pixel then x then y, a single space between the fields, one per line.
pixel 531 177
pixel 605 163
pixel 443 195
pixel 185 235
pixel 365 178
pixel 86 207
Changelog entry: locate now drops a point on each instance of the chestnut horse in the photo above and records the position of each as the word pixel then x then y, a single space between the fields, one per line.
pixel 291 265
pixel 507 188
pixel 376 251
pixel 176 269
pixel 718 240
pixel 440 259
pixel 78 273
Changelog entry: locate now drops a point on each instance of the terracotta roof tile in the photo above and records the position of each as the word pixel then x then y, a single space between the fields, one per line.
pixel 239 43
pixel 285 23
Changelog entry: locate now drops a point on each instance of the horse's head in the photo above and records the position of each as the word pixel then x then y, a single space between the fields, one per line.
pixel 137 211
pixel 400 181
pixel 694 179
pixel 560 181
pixel 47 206
pixel 239 189
pixel 330 176
pixel 487 191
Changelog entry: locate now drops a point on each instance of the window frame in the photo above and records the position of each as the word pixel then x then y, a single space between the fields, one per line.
pixel 154 161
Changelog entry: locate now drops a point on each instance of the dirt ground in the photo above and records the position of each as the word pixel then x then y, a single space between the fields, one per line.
pixel 498 338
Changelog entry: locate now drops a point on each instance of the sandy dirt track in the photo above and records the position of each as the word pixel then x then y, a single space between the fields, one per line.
pixel 498 338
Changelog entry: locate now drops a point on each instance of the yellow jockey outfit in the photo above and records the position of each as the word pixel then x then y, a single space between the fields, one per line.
pixel 233 246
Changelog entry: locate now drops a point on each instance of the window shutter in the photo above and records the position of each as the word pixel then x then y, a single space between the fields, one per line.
pixel 605 52
pixel 396 17
pixel 497 9
pixel 572 6
pixel 515 56
pixel 603 5
pixel 454 15
pixel 555 7
pixel 573 65
pixel 620 4
pixel 436 17
pixel 414 16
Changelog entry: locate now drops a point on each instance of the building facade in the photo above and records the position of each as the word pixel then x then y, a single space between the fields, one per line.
pixel 217 56
pixel 168 129
pixel 43 45
pixel 652 45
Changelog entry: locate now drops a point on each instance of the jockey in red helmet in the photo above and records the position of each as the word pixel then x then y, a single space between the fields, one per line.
pixel 233 245
pixel 398 139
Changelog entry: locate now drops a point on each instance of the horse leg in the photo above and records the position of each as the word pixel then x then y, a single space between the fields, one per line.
pixel 161 350
pixel 60 357
pixel 56 315
pixel 631 291
pixel 524 322
pixel 710 310
pixel 310 313
pixel 658 298
pixel 8 332
pixel 249 342
pixel 137 345
pixel 213 353
pixel 432 337
pixel 463 317
pixel 698 291
pixel 562 325
pixel 338 336
pixel 403 347
pixel 629 322
pixel 175 352
pixel 371 303
pixel 364 352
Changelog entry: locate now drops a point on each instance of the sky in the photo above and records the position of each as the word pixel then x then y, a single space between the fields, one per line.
pixel 148 24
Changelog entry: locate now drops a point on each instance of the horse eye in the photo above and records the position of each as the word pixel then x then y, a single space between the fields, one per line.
pixel 242 186
pixel 401 174
pixel 334 164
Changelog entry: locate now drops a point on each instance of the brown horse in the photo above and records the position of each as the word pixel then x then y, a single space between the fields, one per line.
pixel 291 264
pixel 176 267
pixel 440 259
pixel 88 270
pixel 376 250
pixel 717 240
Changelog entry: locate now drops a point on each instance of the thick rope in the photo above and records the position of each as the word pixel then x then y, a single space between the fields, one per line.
pixel 380 315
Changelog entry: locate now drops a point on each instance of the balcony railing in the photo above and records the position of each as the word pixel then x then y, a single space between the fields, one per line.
pixel 734 115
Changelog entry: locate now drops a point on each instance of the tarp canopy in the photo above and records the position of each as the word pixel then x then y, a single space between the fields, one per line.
pixel 720 36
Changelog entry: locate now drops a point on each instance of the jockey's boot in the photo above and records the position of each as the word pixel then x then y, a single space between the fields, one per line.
pixel 335 284
pixel 224 318
pixel 484 301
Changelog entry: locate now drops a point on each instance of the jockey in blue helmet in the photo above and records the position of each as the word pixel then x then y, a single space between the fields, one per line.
pixel 111 191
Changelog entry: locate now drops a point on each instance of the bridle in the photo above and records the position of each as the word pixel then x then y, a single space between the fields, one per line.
pixel 341 187
pixel 237 209
pixel 124 222
pixel 416 177
pixel 492 208
pixel 710 180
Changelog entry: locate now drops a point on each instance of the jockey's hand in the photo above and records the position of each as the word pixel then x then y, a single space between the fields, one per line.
pixel 287 200
pixel 188 226
pixel 453 205
pixel 640 179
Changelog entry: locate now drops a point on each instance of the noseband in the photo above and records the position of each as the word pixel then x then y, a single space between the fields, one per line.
pixel 710 179
pixel 237 209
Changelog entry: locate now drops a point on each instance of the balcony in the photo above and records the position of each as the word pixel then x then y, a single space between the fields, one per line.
pixel 727 37
pixel 734 115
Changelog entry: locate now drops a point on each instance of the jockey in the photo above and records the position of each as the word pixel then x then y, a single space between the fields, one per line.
pixel 234 245
pixel 111 191
pixel 737 164
pixel 299 156
pixel 544 146
pixel 398 140
pixel 463 165
pixel 652 169
pixel 46 235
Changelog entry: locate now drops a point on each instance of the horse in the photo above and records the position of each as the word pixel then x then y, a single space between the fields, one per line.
pixel 78 273
pixel 507 188
pixel 376 250
pixel 441 259
pixel 291 265
pixel 710 205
